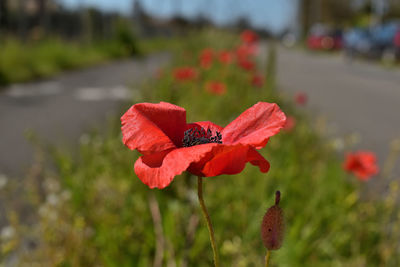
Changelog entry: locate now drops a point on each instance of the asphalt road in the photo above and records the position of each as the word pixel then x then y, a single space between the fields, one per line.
pixel 60 110
pixel 355 98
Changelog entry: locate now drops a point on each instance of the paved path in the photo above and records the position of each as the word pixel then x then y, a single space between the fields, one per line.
pixel 61 109
pixel 361 98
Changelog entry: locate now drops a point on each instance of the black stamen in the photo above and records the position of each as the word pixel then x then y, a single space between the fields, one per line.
pixel 194 136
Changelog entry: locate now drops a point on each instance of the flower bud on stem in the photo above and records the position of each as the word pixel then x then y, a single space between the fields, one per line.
pixel 273 227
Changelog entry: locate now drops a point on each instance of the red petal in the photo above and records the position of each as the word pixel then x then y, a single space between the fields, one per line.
pixel 255 125
pixel 228 160
pixel 153 127
pixel 159 169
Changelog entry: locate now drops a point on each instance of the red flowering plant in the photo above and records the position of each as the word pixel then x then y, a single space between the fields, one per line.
pixel 362 164
pixel 216 88
pixel 244 51
pixel 169 145
pixel 257 80
pixel 301 98
pixel 246 64
pixel 225 57
pixel 249 37
pixel 245 59
pixel 185 73
pixel 206 58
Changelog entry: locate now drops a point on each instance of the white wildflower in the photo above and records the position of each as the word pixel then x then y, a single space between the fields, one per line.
pixel 3 180
pixel 7 233
pixel 52 199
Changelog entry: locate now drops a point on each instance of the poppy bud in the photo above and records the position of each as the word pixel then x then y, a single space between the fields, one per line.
pixel 273 226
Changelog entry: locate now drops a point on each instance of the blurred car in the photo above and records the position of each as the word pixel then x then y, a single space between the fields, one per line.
pixel 381 41
pixel 384 39
pixel 358 42
pixel 322 37
pixel 397 43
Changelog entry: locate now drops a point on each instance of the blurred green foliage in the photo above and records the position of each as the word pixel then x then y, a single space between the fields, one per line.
pixel 126 38
pixel 21 62
pixel 96 212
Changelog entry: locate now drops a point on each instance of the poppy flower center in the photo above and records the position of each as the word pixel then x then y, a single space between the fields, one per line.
pixel 195 136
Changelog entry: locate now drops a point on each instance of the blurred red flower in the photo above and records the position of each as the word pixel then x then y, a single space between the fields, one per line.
pixel 244 51
pixel 216 88
pixel 246 64
pixel 290 123
pixel 362 164
pixel 206 58
pixel 185 74
pixel 169 145
pixel 257 80
pixel 249 37
pixel 301 98
pixel 225 57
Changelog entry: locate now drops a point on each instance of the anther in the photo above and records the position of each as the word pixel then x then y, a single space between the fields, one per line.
pixel 195 136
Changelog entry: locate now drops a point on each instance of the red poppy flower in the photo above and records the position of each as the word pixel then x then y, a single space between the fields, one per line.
pixel 225 57
pixel 244 51
pixel 185 74
pixel 216 88
pixel 169 145
pixel 246 64
pixel 257 80
pixel 362 164
pixel 290 123
pixel 301 98
pixel 206 58
pixel 249 37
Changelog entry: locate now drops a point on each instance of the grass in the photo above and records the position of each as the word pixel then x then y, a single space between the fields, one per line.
pixel 94 211
pixel 21 62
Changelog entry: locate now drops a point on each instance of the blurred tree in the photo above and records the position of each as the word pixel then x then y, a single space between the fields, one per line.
pixel 22 20
pixel 394 10
pixel 332 12
pixel 305 16
pixel 337 12
pixel 3 15
pixel 42 15
pixel 125 36
pixel 243 23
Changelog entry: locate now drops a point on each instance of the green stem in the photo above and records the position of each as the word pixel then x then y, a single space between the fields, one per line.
pixel 267 258
pixel 207 217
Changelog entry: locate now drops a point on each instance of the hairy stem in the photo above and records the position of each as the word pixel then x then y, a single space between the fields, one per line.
pixel 207 217
pixel 160 241
pixel 267 258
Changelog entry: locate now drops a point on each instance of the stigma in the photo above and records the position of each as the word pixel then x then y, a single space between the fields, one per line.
pixel 195 136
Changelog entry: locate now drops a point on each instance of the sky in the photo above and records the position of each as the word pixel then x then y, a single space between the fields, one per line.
pixel 273 15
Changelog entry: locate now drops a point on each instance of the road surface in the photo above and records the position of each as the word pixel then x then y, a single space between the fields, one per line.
pixel 357 97
pixel 60 110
